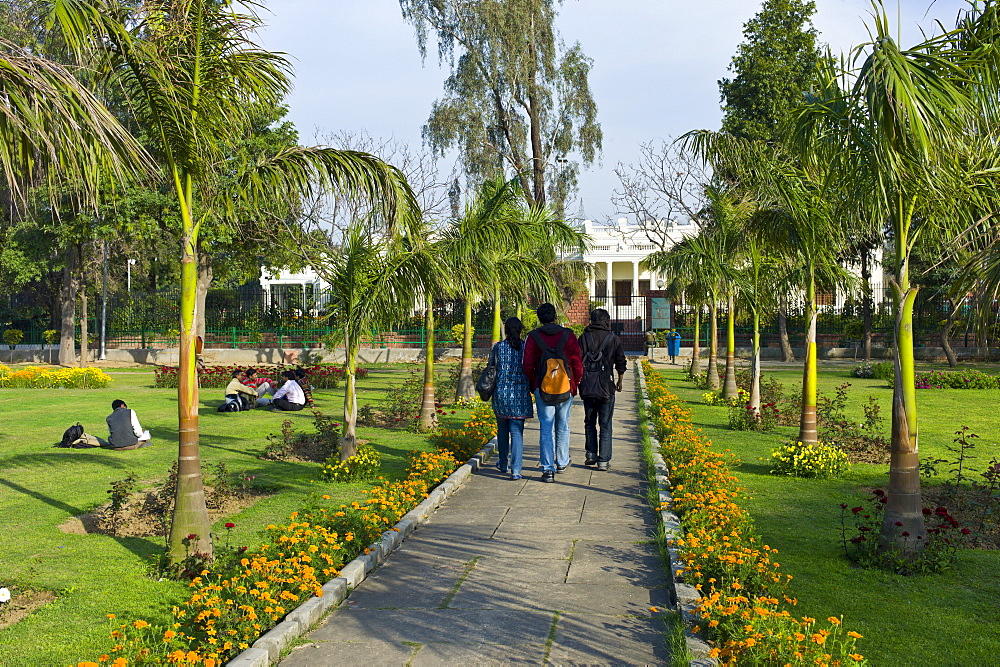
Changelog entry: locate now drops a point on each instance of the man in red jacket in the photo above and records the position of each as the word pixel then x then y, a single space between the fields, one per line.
pixel 553 420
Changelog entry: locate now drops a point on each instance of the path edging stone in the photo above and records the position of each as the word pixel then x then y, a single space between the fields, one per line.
pixel 267 649
pixel 684 597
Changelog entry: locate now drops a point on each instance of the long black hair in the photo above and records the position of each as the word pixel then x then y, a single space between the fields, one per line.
pixel 513 328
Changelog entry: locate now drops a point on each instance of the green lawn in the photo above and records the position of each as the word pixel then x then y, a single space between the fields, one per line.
pixel 41 487
pixel 947 619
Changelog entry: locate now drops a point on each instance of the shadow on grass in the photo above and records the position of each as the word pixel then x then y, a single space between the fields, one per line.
pixel 70 510
pixel 65 457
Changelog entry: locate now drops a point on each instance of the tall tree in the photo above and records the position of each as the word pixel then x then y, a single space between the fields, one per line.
pixel 772 68
pixel 517 100
pixel 191 76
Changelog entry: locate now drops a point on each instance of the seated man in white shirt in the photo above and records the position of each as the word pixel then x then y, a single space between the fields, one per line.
pixel 290 396
pixel 124 429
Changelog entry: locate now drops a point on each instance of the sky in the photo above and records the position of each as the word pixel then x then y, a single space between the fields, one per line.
pixel 655 73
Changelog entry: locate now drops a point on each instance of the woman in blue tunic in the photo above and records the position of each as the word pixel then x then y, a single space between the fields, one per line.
pixel 511 398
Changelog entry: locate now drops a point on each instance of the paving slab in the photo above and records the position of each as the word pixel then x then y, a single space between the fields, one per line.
pixel 561 597
pixel 517 572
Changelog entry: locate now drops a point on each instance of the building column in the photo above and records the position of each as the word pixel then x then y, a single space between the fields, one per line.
pixel 635 278
pixel 592 281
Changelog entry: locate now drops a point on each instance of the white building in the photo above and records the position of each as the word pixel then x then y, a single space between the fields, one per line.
pixel 616 251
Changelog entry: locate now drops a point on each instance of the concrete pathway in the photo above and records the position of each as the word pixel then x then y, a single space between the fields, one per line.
pixel 517 571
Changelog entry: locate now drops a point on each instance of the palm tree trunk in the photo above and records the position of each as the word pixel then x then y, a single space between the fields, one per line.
pixel 807 424
pixel 903 510
pixel 428 409
pixel 729 389
pixel 946 332
pixel 204 283
pixel 755 364
pixel 787 354
pixel 67 298
pixel 495 338
pixel 696 345
pixel 349 446
pixel 465 384
pixel 190 512
pixel 713 345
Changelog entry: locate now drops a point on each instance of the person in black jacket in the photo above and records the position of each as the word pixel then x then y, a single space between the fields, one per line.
pixel 598 411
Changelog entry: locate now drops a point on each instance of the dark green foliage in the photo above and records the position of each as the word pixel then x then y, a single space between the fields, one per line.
pixel 771 68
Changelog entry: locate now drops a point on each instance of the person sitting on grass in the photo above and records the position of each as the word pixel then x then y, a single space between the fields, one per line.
pixel 300 377
pixel 238 394
pixel 290 396
pixel 261 385
pixel 124 429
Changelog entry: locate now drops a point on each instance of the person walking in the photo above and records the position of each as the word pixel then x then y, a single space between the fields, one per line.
pixel 553 367
pixel 602 353
pixel 511 398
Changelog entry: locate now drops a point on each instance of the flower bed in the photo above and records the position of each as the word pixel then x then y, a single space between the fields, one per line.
pixel 744 608
pixel 969 378
pixel 320 376
pixel 36 377
pixel 245 593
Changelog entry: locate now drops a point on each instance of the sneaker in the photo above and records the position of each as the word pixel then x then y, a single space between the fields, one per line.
pixel 603 465
pixel 561 468
pixel 515 477
pixel 501 468
pixel 548 476
pixel 590 462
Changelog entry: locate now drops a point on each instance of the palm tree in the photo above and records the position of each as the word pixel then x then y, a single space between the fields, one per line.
pixel 499 243
pixel 886 136
pixel 191 76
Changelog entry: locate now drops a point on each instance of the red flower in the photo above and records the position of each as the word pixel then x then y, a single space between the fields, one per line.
pixel 898 523
pixel 927 511
pixel 966 531
pixel 843 506
pixel 230 525
pixel 856 509
pixel 879 492
pixel 193 536
pixel 905 534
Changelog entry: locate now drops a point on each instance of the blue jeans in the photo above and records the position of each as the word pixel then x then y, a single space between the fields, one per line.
pixel 510 443
pixel 553 420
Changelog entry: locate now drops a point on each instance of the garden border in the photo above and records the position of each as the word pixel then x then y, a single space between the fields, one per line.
pixel 268 648
pixel 684 597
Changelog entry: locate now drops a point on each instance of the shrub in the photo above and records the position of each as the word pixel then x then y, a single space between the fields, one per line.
pixel 13 337
pixel 35 377
pixel 715 398
pixel 51 336
pixel 945 535
pixel 968 378
pixel 882 370
pixel 470 438
pixel 818 460
pixel 458 335
pixel 747 418
pixel 363 465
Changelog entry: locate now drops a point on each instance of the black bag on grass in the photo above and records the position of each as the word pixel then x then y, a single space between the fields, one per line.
pixel 71 435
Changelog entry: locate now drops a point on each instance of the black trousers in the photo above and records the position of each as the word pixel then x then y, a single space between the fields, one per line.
pixel 597 416
pixel 285 404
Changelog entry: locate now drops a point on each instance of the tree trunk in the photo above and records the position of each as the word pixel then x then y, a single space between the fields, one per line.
pixel 497 334
pixel 349 445
pixel 946 332
pixel 538 157
pixel 190 511
pixel 729 389
pixel 904 505
pixel 84 324
pixel 204 283
pixel 428 409
pixel 713 345
pixel 67 297
pixel 787 354
pixel 807 424
pixel 696 345
pixel 866 302
pixel 755 365
pixel 466 387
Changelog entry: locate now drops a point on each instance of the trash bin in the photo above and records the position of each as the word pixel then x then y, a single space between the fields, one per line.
pixel 673 345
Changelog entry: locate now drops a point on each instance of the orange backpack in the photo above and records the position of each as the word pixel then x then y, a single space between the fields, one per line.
pixel 555 387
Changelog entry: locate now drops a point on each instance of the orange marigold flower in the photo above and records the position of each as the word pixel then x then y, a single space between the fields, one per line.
pixel 854 634
pixel 834 620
